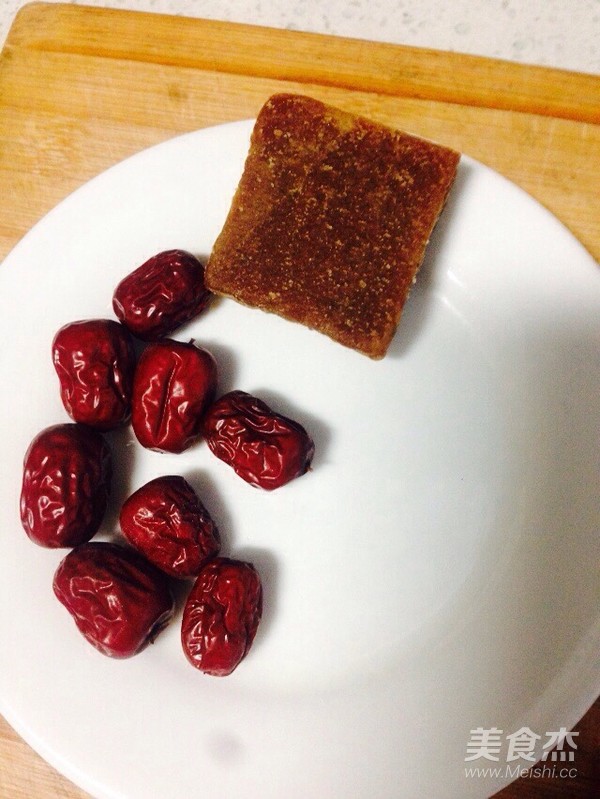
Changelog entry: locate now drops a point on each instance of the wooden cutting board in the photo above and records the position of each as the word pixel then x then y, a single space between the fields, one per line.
pixel 82 88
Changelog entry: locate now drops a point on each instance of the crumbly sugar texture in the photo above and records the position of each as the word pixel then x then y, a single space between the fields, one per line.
pixel 330 221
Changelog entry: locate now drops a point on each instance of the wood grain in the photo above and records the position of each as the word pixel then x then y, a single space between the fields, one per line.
pixel 24 775
pixel 313 58
pixel 83 88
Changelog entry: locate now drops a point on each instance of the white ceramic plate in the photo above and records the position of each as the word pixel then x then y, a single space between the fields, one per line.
pixel 437 571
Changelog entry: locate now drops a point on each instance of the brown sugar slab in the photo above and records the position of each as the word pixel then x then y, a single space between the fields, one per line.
pixel 330 221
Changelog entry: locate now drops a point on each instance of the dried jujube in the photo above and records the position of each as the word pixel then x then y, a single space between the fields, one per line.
pixel 160 295
pixel 166 521
pixel 119 596
pixel 263 447
pixel 174 384
pixel 95 361
pixel 221 616
pixel 67 473
pixel 118 600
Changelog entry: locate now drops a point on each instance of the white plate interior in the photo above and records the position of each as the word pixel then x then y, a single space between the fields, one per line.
pixel 436 572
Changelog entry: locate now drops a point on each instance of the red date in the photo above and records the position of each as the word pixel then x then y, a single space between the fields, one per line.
pixel 118 600
pixel 167 523
pixel 221 616
pixel 264 448
pixel 66 482
pixel 162 294
pixel 173 386
pixel 95 361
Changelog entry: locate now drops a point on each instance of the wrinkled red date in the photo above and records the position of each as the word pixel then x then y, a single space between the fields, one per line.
pixel 174 384
pixel 221 616
pixel 66 482
pixel 162 294
pixel 264 448
pixel 95 361
pixel 118 600
pixel 166 521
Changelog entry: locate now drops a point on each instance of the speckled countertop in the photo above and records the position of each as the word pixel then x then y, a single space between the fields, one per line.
pixel 559 33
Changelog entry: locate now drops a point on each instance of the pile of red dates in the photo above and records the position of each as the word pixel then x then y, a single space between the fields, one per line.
pixel 120 594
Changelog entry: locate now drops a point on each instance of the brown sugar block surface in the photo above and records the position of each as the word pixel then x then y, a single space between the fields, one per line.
pixel 330 220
